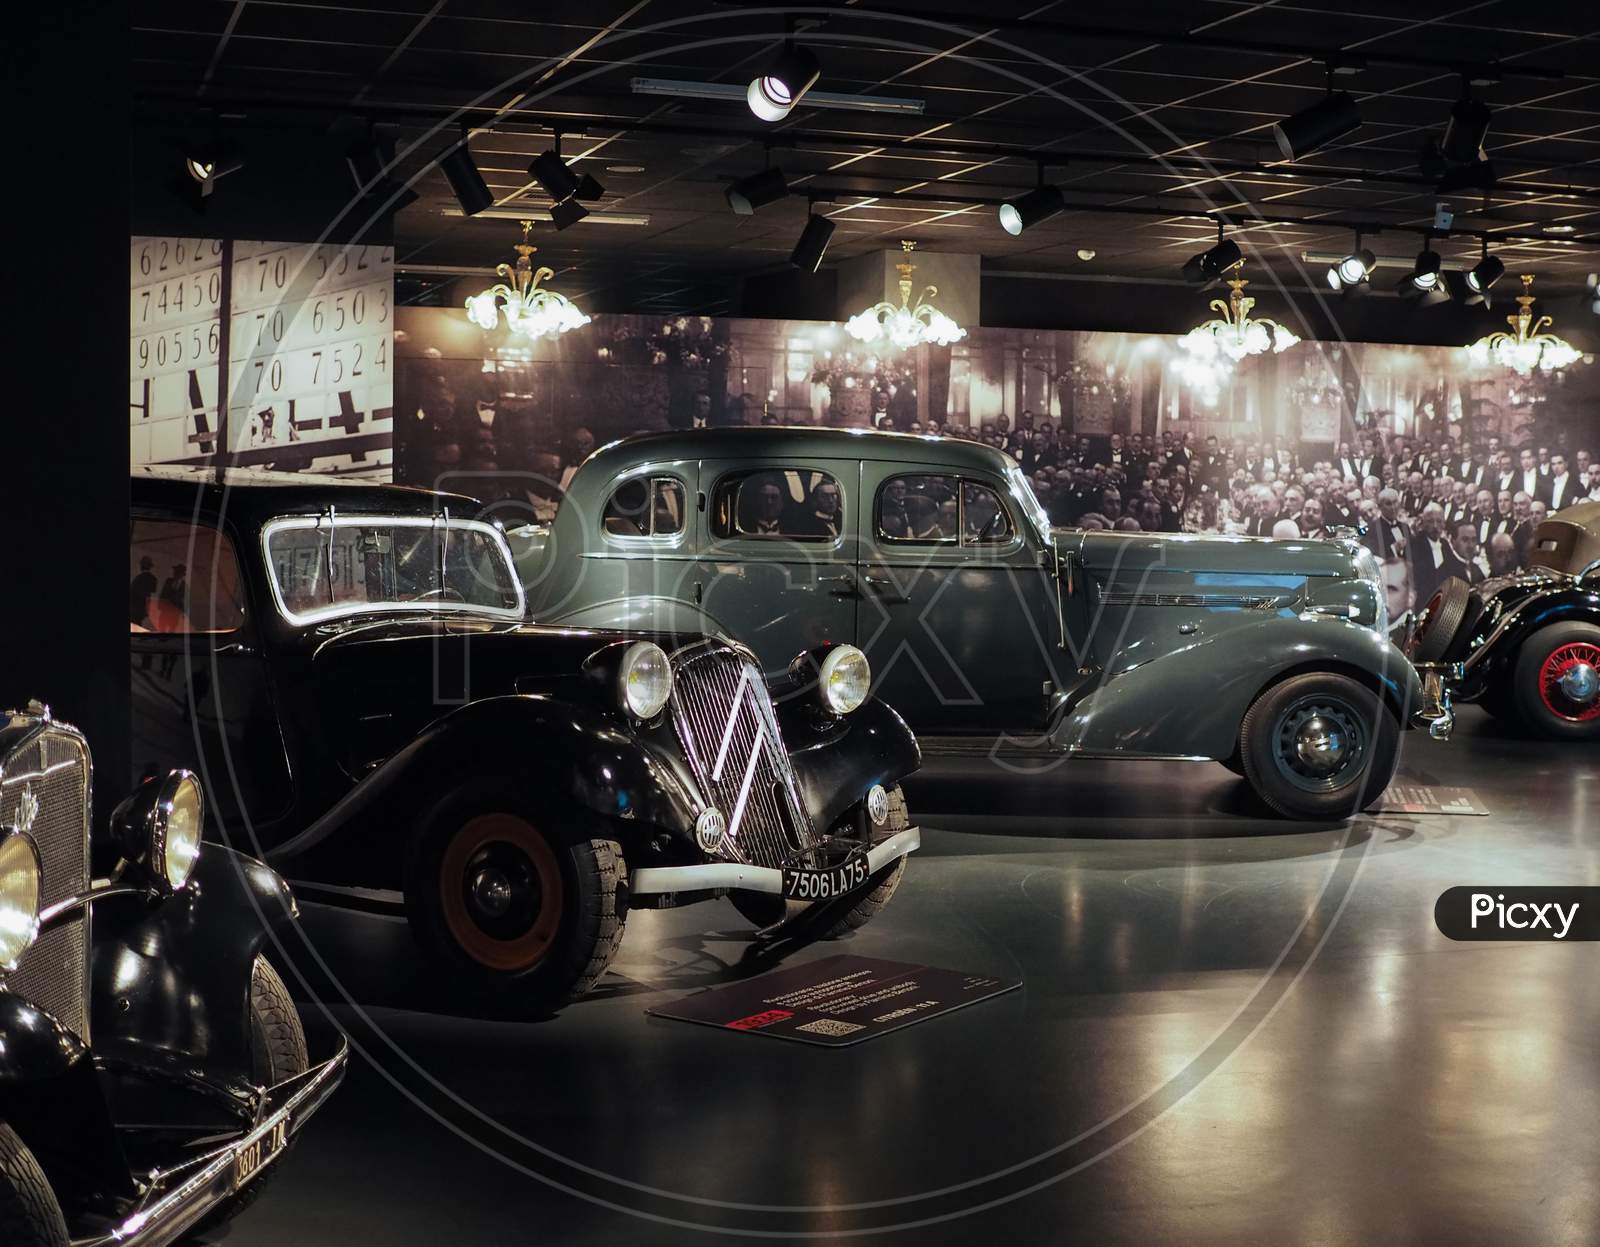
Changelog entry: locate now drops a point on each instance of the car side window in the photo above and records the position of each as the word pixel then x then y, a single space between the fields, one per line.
pixel 182 578
pixel 646 507
pixel 937 509
pixel 792 504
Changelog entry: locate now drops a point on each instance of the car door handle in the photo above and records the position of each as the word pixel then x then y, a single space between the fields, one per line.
pixel 884 588
pixel 840 586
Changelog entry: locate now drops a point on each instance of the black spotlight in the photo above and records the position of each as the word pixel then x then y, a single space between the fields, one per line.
pixel 1485 273
pixel 813 244
pixel 1039 204
pixel 1332 117
pixel 1354 270
pixel 1424 274
pixel 589 188
pixel 568 212
pixel 551 172
pixel 1477 176
pixel 1207 268
pixel 467 184
pixel 778 88
pixel 369 162
pixel 1465 132
pixel 757 191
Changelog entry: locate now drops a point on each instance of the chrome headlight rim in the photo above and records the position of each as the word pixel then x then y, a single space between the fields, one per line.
pixel 644 703
pixel 14 945
pixel 847 693
pixel 172 857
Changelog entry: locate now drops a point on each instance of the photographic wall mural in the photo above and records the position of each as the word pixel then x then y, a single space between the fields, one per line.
pixel 476 409
pixel 279 353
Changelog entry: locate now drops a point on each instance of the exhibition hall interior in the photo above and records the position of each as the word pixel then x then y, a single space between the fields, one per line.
pixel 851 621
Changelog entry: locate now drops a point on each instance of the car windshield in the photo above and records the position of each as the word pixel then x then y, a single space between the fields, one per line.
pixel 1022 491
pixel 330 565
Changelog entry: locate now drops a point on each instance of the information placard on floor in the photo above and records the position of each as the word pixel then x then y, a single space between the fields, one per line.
pixel 1429 799
pixel 837 1001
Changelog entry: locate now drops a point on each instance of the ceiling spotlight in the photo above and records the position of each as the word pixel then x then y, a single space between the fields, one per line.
pixel 370 162
pixel 466 183
pixel 568 212
pixel 757 191
pixel 589 188
pixel 813 244
pixel 208 161
pixel 1332 117
pixel 554 177
pixel 1485 272
pixel 1424 274
pixel 1207 268
pixel 778 88
pixel 1479 175
pixel 1464 133
pixel 1039 204
pixel 1356 267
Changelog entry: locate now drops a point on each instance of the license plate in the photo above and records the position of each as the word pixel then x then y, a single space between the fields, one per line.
pixel 809 884
pixel 252 1159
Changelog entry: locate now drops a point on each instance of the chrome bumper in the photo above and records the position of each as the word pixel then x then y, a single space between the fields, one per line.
pixel 179 1198
pixel 1439 680
pixel 734 877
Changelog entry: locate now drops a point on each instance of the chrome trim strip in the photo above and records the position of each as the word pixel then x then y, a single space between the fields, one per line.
pixel 733 876
pixel 175 1211
pixel 1204 601
pixel 101 889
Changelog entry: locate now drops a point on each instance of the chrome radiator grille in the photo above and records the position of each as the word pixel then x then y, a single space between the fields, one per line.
pixel 729 732
pixel 44 787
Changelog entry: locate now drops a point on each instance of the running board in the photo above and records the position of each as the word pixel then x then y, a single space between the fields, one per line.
pixel 1033 749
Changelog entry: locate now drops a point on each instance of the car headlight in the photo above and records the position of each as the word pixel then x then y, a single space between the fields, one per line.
pixel 19 898
pixel 645 679
pixel 845 679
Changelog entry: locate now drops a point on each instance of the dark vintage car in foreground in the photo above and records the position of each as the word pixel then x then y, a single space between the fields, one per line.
pixel 991 632
pixel 152 1064
pixel 1526 646
pixel 351 666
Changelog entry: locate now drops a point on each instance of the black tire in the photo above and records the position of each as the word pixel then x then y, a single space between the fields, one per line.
pixel 29 1214
pixel 1541 705
pixel 547 949
pixel 1354 719
pixel 768 912
pixel 277 1052
pixel 1440 622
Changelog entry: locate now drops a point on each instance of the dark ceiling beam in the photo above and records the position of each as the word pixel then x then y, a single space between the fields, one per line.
pixel 1478 71
pixel 839 194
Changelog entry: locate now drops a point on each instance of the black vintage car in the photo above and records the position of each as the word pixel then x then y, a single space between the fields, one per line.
pixel 1526 646
pixel 152 1063
pixel 351 668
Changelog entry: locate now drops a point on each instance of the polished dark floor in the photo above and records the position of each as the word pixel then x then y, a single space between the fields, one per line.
pixel 1231 1030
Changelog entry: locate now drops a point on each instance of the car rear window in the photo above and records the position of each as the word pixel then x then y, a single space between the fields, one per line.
pixel 791 504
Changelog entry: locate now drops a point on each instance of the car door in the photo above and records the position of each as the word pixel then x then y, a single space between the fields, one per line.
pixel 957 613
pixel 200 691
pixel 777 558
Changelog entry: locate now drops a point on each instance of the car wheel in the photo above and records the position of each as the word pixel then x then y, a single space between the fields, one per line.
pixel 277 1052
pixel 1319 746
pixel 1556 682
pixel 29 1214
pixel 522 915
pixel 769 912
pixel 1440 622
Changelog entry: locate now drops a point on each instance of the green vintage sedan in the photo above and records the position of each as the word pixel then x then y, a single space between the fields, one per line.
pixel 991 632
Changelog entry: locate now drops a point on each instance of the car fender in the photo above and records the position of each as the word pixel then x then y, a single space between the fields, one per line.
pixel 1496 655
pixel 34 1046
pixel 549 748
pixel 837 759
pixel 170 976
pixel 1155 708
pixel 670 616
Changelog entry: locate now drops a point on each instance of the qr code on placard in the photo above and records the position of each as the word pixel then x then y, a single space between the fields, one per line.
pixel 829 1026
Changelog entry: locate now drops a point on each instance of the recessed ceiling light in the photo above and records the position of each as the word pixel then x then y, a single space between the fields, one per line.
pixel 624 168
pixel 1085 254
pixel 1559 229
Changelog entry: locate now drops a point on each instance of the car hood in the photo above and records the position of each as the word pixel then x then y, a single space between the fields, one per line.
pixel 1199 553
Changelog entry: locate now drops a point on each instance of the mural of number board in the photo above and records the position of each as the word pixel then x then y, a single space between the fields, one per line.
pixel 307 332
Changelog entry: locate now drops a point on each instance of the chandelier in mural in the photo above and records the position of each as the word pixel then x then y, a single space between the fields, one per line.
pixel 1527 347
pixel 530 310
pixel 906 326
pixel 1233 332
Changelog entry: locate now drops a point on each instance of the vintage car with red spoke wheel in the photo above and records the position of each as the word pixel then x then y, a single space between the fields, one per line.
pixel 1526 646
pixel 356 660
pixel 153 1069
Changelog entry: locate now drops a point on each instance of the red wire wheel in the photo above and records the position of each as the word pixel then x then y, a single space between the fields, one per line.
pixel 1558 666
pixel 500 892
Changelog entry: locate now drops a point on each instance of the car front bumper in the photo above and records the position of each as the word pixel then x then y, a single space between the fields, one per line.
pixel 737 877
pixel 179 1198
pixel 1440 681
